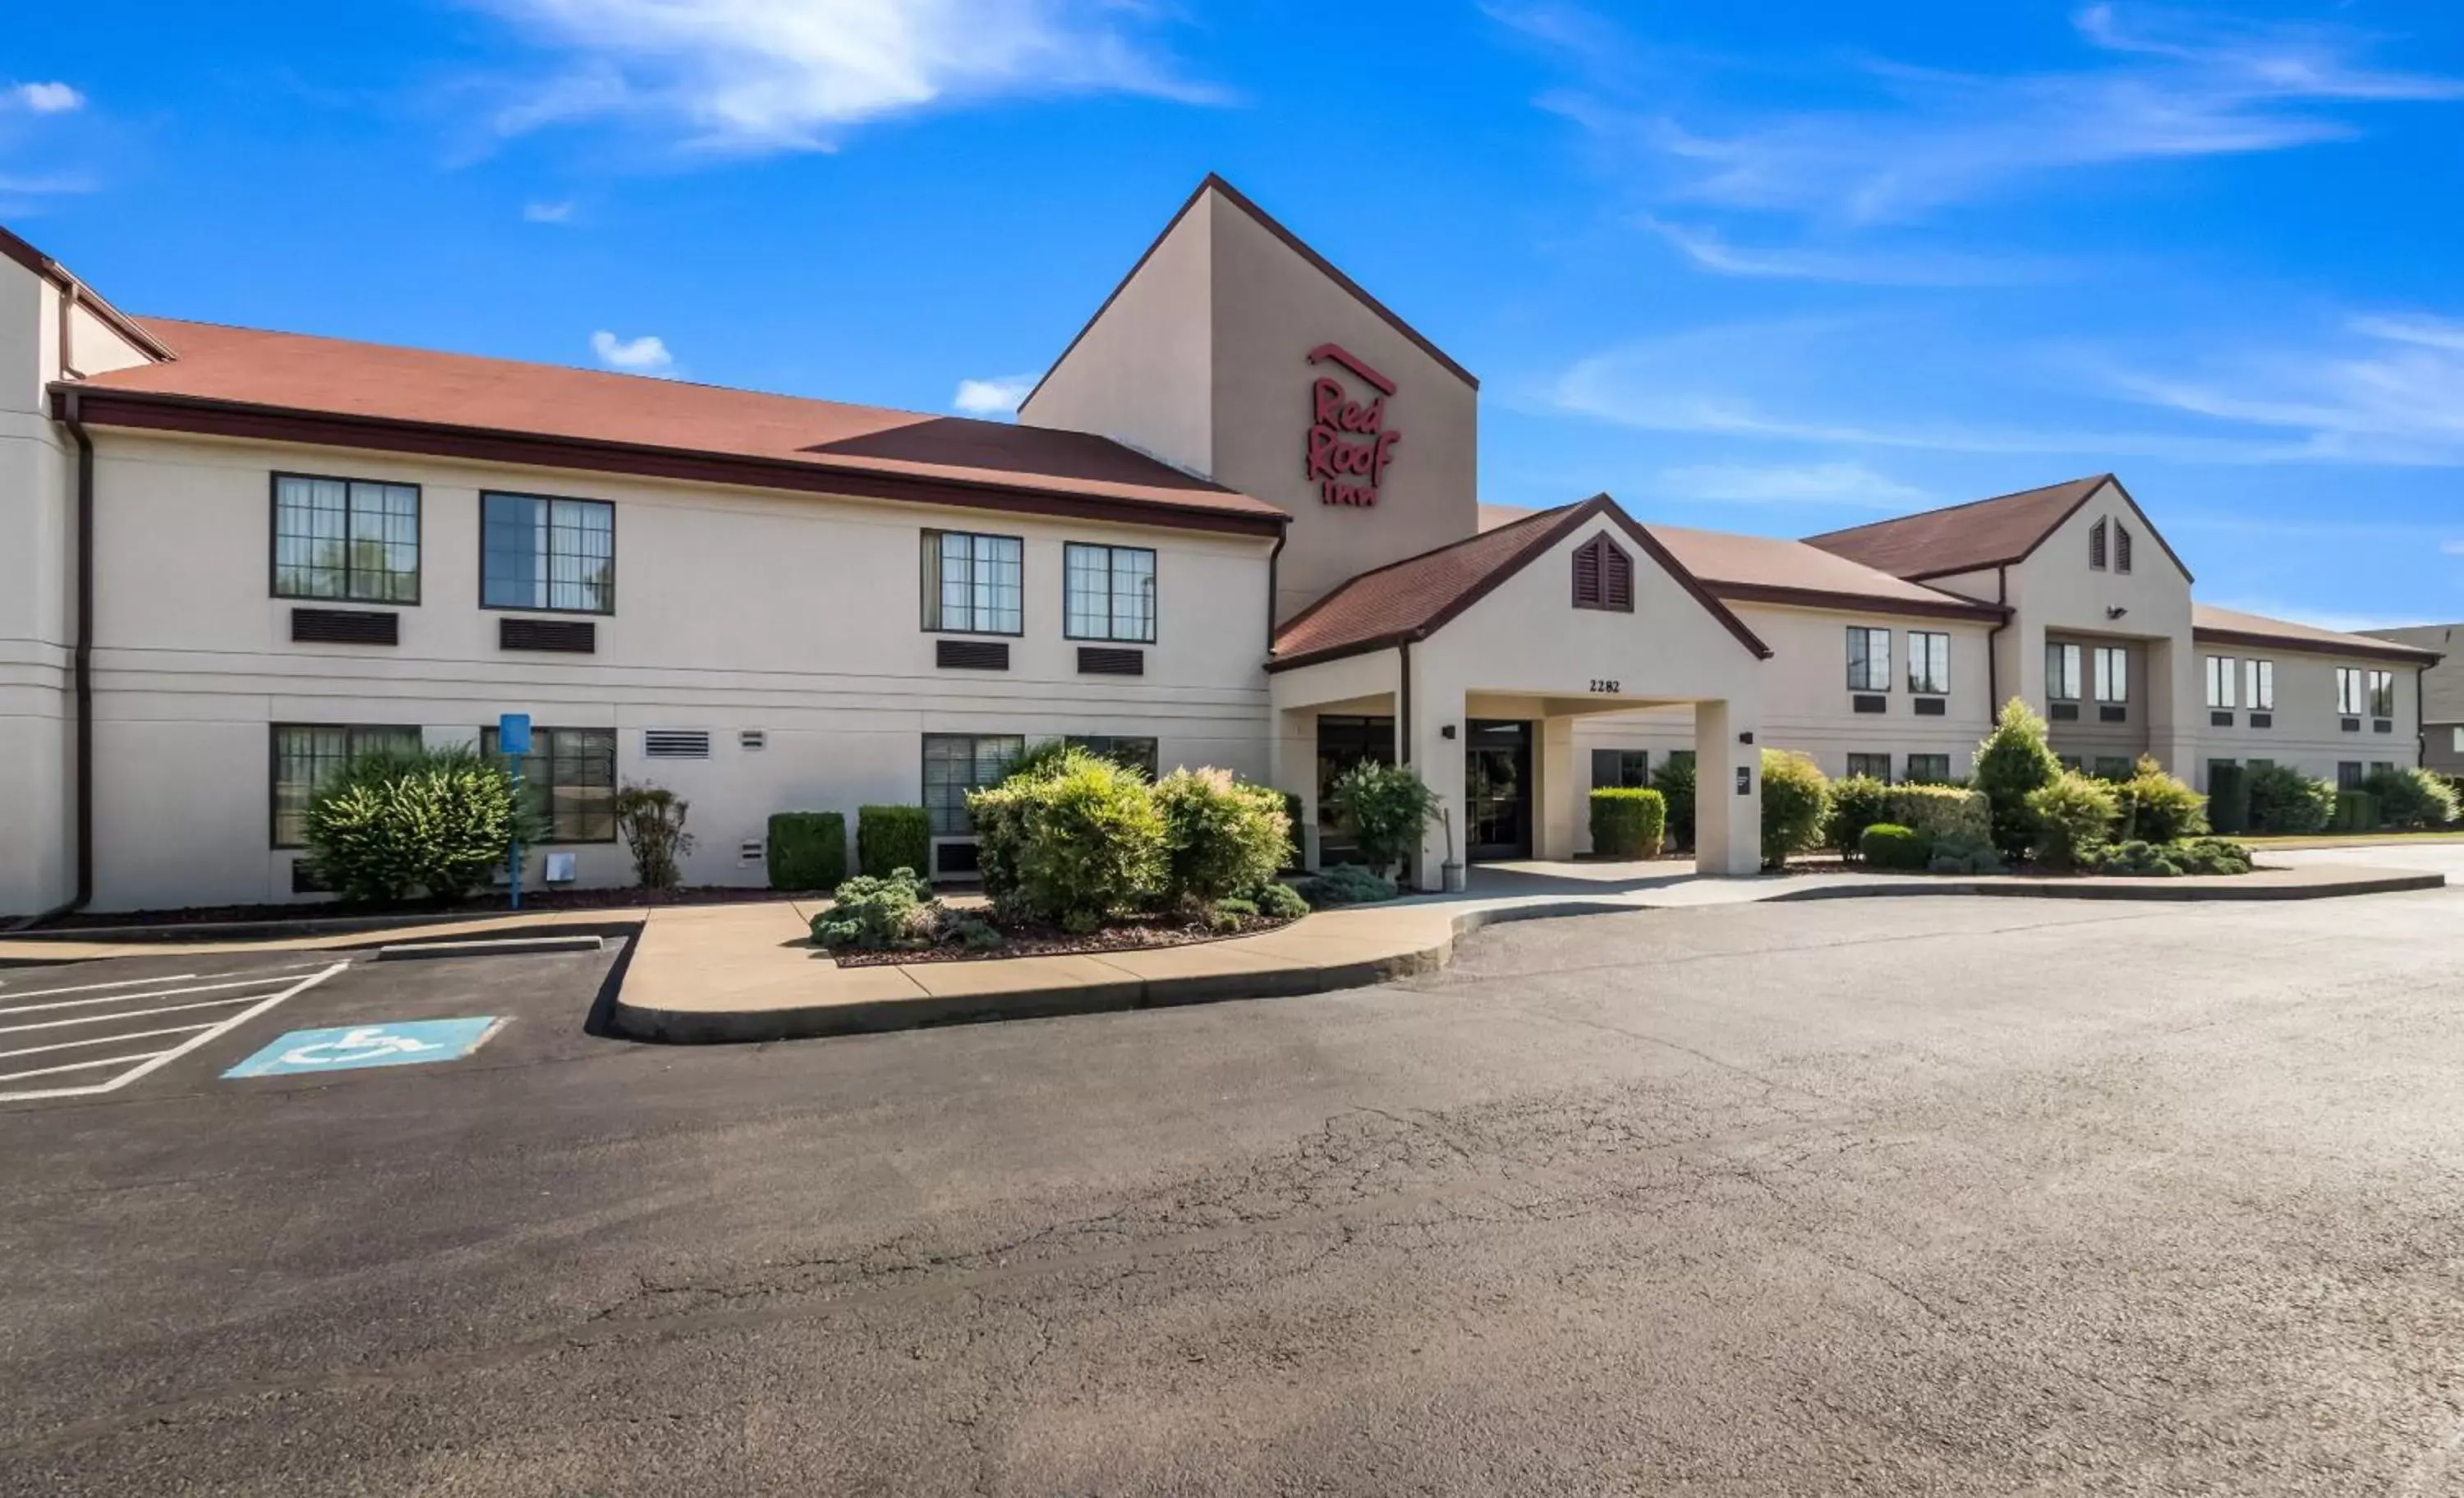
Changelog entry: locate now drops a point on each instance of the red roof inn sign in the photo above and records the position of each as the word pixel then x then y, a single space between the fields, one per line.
pixel 1349 441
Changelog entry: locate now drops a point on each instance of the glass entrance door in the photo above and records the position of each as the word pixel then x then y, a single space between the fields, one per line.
pixel 1497 785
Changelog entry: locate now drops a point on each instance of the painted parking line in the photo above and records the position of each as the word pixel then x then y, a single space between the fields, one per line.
pixel 124 1026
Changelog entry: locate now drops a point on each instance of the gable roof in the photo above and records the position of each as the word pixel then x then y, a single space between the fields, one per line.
pixel 1767 569
pixel 2231 626
pixel 12 248
pixel 1408 600
pixel 2442 687
pixel 289 387
pixel 1267 222
pixel 2002 531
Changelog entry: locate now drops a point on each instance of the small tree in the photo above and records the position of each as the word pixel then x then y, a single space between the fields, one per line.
pixel 1220 837
pixel 1858 801
pixel 1389 806
pixel 2160 808
pixel 2284 799
pixel 1673 779
pixel 426 821
pixel 1796 802
pixel 2074 814
pixel 1078 842
pixel 652 820
pixel 2012 761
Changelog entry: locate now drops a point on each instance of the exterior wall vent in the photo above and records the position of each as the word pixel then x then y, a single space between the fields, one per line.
pixel 2352 725
pixel 676 743
pixel 1096 660
pixel 1870 702
pixel 2063 713
pixel 752 739
pixel 971 654
pixel 1930 707
pixel 2220 719
pixel 346 626
pixel 572 637
pixel 749 851
pixel 2262 720
pixel 2112 713
pixel 2383 725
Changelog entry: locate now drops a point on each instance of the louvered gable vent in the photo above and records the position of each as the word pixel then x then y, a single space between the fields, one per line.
pixel 1603 576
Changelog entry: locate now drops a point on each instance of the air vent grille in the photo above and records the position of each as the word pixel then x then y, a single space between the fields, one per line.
pixel 752 738
pixel 676 743
pixel 750 850
pixel 2352 725
pixel 568 636
pixel 1870 702
pixel 2262 720
pixel 2066 713
pixel 2112 712
pixel 346 626
pixel 2383 725
pixel 2220 720
pixel 971 654
pixel 1931 707
pixel 1099 660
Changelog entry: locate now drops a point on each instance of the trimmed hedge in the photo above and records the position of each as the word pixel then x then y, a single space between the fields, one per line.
pixel 807 850
pixel 2074 814
pixel 2227 798
pixel 1948 813
pixel 2356 811
pixel 892 838
pixel 2284 799
pixel 1674 778
pixel 1220 838
pixel 2415 799
pixel 1858 801
pixel 2159 808
pixel 1887 845
pixel 1797 802
pixel 1080 841
pixel 1628 822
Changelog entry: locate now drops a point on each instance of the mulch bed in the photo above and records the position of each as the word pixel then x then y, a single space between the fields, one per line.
pixel 492 904
pixel 1139 934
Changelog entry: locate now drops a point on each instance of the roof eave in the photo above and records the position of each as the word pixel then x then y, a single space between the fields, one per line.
pixel 2399 654
pixel 14 248
pixel 1857 603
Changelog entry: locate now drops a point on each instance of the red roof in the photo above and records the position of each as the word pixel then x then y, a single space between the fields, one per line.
pixel 2231 626
pixel 289 386
pixel 1968 538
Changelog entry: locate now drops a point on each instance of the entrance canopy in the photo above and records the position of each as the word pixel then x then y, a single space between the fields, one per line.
pixel 1563 615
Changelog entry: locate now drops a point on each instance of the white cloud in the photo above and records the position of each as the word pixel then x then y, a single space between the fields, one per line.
pixel 791 74
pixel 2163 86
pixel 2452 548
pixel 1707 249
pixel 998 396
pixel 645 354
pixel 2382 389
pixel 45 98
pixel 1851 484
pixel 537 213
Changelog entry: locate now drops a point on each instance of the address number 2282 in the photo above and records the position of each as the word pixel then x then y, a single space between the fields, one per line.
pixel 1599 685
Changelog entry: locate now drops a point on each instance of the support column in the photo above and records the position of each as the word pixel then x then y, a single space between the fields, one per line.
pixel 1439 760
pixel 1556 796
pixel 1292 765
pixel 1728 791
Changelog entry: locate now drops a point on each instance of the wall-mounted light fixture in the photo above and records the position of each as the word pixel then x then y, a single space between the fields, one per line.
pixel 1447 731
pixel 2116 611
pixel 1745 737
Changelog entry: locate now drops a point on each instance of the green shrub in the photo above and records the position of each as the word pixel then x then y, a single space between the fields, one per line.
pixel 2210 855
pixel 1035 760
pixel 1673 779
pixel 1628 822
pixel 1078 843
pixel 1389 806
pixel 651 819
pixel 2137 858
pixel 1965 854
pixel 1858 801
pixel 1229 915
pixel 1347 884
pixel 2227 798
pixel 2012 761
pixel 1296 843
pixel 1796 799
pixel 2356 811
pixel 807 850
pixel 1948 812
pixel 1219 836
pixel 2283 799
pixel 971 931
pixel 2072 815
pixel 1888 846
pixel 2159 808
pixel 2412 799
pixel 890 838
pixel 429 820
pixel 889 913
pixel 1279 900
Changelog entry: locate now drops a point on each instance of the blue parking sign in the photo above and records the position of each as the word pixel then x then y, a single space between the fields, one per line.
pixel 513 732
pixel 344 1047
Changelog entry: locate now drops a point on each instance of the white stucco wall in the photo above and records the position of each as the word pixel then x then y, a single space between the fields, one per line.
pixel 734 609
pixel 36 602
pixel 2306 732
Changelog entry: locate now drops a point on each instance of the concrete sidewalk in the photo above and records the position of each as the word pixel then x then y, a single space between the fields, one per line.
pixel 746 973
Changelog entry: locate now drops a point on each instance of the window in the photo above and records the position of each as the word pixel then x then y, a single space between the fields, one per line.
pixel 309 757
pixel 973 585
pixel 2348 691
pixel 1627 769
pixel 349 538
pixel 2062 673
pixel 2222 674
pixel 2112 674
pixel 1130 754
pixel 2260 676
pixel 1109 593
pixel 569 781
pixel 1928 661
pixel 551 554
pixel 2096 546
pixel 1869 659
pixel 957 763
pixel 2382 693
pixel 2068 761
pixel 2348 775
pixel 2120 547
pixel 1929 769
pixel 1875 765
pixel 1603 576
pixel 2382 767
pixel 2113 767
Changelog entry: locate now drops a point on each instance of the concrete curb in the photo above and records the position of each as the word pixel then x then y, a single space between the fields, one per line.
pixel 498 946
pixel 703 1027
pixel 2154 891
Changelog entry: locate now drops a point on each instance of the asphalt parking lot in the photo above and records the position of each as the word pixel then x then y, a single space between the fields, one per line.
pixel 1918 1196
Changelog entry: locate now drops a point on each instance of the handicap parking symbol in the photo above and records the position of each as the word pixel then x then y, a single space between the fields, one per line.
pixel 396 1042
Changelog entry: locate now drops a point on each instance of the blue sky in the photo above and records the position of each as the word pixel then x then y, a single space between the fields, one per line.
pixel 1780 267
